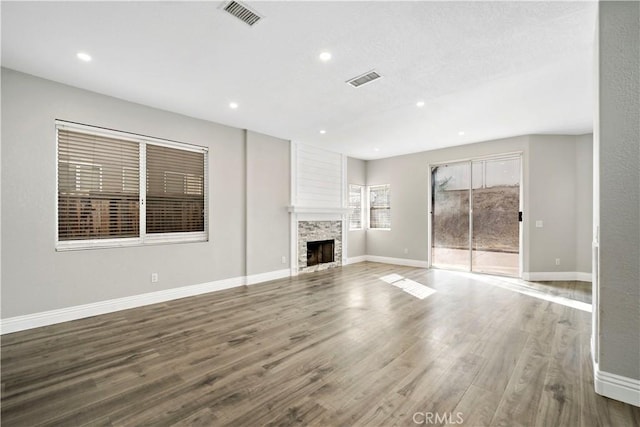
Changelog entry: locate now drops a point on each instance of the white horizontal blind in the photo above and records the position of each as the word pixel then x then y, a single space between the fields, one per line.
pixel 380 206
pixel 355 207
pixel 98 187
pixel 175 190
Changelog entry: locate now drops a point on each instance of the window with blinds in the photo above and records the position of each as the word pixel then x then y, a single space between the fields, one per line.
pixel 355 207
pixel 380 207
pixel 116 188
pixel 98 187
pixel 175 190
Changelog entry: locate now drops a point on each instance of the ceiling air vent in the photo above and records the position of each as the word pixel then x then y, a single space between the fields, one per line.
pixel 242 12
pixel 364 79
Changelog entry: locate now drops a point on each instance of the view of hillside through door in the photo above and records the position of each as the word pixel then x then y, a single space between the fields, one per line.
pixel 475 216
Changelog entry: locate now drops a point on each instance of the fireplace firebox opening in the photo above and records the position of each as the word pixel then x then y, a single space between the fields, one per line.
pixel 320 252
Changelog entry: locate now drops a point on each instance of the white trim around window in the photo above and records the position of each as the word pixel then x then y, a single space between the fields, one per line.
pixel 101 206
pixel 356 204
pixel 383 203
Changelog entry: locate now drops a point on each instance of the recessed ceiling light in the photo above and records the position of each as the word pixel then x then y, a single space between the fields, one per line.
pixel 420 104
pixel 376 149
pixel 461 133
pixel 325 56
pixel 233 105
pixel 83 56
pixel 323 131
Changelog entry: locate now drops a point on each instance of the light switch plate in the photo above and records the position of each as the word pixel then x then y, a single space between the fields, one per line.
pixel 539 223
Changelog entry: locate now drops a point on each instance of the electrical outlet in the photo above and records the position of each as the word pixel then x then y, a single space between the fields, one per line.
pixel 557 261
pixel 154 277
pixel 284 259
pixel 539 223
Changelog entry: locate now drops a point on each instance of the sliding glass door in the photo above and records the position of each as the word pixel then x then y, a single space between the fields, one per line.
pixel 475 216
pixel 450 229
pixel 495 198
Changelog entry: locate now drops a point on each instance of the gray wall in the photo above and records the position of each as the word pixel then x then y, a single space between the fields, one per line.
pixel 616 211
pixel 36 278
pixel 552 189
pixel 555 190
pixel 267 199
pixel 357 239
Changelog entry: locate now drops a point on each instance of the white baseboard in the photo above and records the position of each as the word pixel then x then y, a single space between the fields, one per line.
pixel 356 259
pixel 584 277
pixel 556 276
pixel 616 387
pixel 36 320
pixel 266 277
pixel 398 261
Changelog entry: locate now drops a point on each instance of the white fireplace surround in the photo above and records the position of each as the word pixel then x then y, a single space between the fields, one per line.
pixel 318 193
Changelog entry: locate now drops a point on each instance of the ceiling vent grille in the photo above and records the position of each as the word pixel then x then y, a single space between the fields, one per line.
pixel 242 12
pixel 364 79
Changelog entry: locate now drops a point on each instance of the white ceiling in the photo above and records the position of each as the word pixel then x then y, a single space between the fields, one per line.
pixel 489 69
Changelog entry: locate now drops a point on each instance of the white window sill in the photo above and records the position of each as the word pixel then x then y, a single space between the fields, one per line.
pixel 169 238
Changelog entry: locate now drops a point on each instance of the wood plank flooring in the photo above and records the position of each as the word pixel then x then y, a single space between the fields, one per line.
pixel 334 348
pixel 579 291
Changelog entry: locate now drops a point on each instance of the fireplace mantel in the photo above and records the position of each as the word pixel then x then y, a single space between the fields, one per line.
pixel 317 210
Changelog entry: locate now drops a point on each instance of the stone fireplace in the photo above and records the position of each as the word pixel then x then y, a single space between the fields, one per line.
pixel 315 240
pixel 319 212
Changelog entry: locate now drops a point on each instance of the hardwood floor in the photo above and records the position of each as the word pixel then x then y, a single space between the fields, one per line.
pixel 579 291
pixel 334 348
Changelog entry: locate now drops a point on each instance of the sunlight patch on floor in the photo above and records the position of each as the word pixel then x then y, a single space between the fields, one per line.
pixel 520 286
pixel 411 287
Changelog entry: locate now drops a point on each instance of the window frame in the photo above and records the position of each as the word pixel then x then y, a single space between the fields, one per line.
pixel 369 189
pixel 143 238
pixel 362 220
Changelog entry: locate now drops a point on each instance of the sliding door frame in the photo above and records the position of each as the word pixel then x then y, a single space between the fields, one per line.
pixel 470 160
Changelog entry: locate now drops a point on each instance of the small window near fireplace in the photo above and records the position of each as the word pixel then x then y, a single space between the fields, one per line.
pixel 320 252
